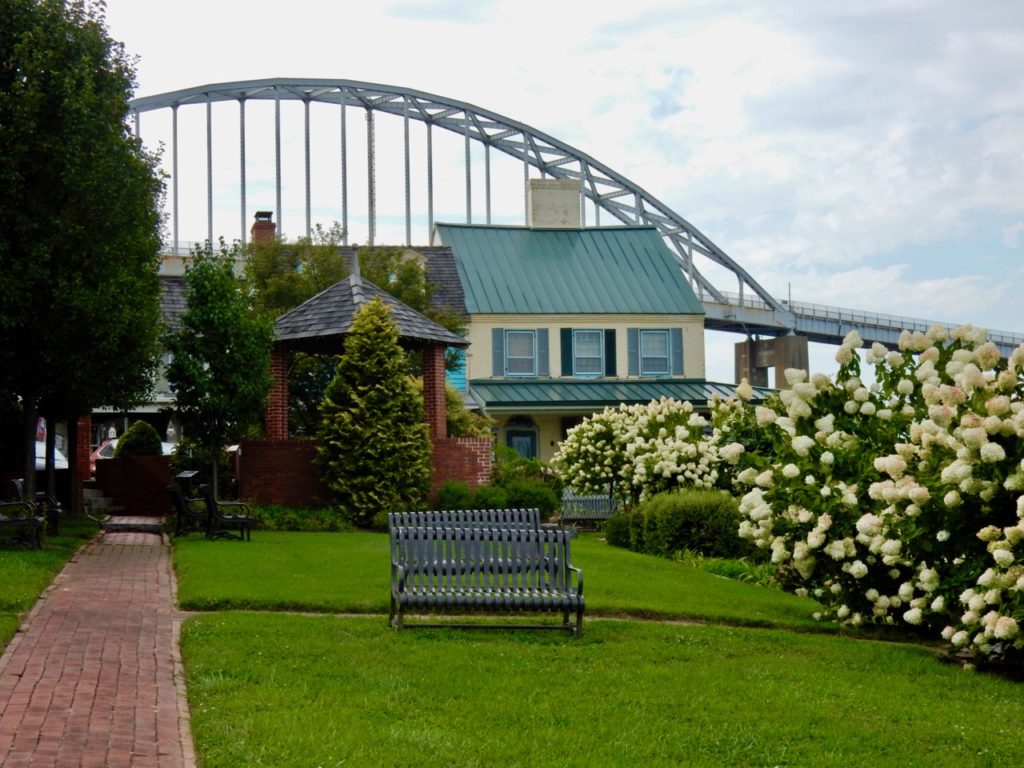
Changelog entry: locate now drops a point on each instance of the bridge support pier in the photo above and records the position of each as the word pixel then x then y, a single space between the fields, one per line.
pixel 755 356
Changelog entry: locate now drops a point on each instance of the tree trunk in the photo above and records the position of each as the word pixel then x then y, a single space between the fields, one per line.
pixel 213 475
pixel 51 455
pixel 28 444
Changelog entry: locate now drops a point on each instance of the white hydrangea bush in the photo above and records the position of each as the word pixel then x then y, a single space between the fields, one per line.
pixel 639 450
pixel 802 461
pixel 901 502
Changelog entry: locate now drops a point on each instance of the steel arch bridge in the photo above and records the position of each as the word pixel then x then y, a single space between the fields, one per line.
pixel 744 307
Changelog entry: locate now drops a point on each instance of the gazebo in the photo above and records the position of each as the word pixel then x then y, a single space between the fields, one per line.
pixel 280 470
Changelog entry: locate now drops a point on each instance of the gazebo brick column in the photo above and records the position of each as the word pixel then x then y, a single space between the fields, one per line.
pixel 276 418
pixel 433 392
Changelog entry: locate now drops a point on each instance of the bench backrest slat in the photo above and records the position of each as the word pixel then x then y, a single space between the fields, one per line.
pixel 482 558
pixel 467 518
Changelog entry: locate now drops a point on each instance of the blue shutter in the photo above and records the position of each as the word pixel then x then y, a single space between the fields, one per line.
pixel 610 368
pixel 677 351
pixel 456 378
pixel 543 366
pixel 633 350
pixel 566 335
pixel 498 352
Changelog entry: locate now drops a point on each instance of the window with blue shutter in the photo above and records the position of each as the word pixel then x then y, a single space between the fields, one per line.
pixel 520 353
pixel 654 353
pixel 588 352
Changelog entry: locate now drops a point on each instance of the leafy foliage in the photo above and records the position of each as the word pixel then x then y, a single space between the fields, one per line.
pixel 454 495
pixel 221 354
pixel 700 522
pixel 373 441
pixel 140 439
pixel 79 243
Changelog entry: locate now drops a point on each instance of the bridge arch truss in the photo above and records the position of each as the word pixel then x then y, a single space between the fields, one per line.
pixel 609 192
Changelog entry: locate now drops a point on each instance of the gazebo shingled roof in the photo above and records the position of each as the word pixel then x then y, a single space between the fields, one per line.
pixel 319 324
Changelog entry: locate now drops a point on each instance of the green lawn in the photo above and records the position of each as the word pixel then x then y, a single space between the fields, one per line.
pixel 25 573
pixel 280 690
pixel 349 573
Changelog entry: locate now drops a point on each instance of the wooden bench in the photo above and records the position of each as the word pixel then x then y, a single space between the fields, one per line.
pixel 585 510
pixel 22 519
pixel 484 570
pixel 528 519
pixel 221 524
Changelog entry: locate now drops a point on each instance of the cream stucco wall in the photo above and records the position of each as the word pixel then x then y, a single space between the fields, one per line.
pixel 479 360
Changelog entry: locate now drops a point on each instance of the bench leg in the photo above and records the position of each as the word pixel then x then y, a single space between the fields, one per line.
pixel 579 622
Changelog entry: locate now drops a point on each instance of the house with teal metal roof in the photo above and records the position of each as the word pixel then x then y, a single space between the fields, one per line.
pixel 565 320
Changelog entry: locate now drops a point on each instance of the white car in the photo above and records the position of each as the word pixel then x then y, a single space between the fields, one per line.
pixel 106 451
pixel 60 461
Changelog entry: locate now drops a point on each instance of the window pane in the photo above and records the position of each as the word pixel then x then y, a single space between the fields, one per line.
pixel 653 352
pixel 588 352
pixel 519 353
pixel 520 344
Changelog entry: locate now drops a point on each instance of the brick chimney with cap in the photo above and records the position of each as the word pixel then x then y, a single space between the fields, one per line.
pixel 264 230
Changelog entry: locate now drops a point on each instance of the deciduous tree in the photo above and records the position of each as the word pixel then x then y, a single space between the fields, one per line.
pixel 79 234
pixel 221 355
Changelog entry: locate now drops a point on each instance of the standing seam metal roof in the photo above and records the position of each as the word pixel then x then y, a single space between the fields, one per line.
pixel 553 394
pixel 596 270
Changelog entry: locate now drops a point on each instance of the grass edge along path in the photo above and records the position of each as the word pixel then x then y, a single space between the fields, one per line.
pixel 350 573
pixel 625 694
pixel 25 573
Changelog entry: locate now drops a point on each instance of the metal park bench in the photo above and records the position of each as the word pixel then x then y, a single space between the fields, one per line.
pixel 586 510
pixel 221 524
pixel 187 517
pixel 484 570
pixel 22 519
pixel 527 519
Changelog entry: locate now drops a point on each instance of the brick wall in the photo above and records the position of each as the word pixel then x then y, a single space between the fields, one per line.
pixel 276 417
pixel 280 472
pixel 434 405
pixel 465 459
pixel 138 483
pixel 283 472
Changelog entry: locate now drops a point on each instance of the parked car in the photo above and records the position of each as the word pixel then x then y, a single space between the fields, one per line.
pixel 107 447
pixel 60 461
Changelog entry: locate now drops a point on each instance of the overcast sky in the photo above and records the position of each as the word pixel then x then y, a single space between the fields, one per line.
pixel 866 154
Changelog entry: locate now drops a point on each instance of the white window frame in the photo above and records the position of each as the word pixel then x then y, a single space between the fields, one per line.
pixel 533 354
pixel 600 353
pixel 663 332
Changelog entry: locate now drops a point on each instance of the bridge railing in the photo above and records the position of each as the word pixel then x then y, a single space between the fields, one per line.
pixel 858 317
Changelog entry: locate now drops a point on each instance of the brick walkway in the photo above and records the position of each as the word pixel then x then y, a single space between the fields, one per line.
pixel 94 677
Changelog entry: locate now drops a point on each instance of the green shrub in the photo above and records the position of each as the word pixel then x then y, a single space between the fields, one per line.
pixel 454 495
pixel 278 518
pixel 490 497
pixel 140 439
pixel 704 522
pixel 616 529
pixel 532 494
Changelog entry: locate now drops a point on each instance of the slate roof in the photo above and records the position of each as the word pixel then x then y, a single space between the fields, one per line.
pixel 593 270
pixel 172 300
pixel 318 324
pixel 569 394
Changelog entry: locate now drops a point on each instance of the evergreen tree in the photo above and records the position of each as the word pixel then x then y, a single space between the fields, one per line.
pixel 373 441
pixel 220 372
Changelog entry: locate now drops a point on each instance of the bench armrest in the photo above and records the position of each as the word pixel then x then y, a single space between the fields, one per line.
pixel 579 579
pixel 241 505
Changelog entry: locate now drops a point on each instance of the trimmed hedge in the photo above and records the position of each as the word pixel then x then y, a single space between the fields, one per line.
pixel 701 522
